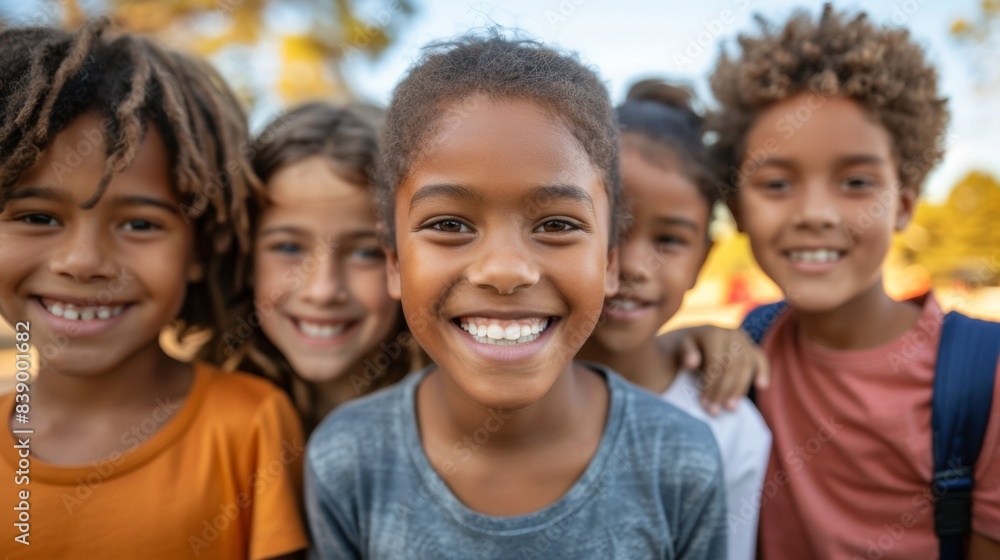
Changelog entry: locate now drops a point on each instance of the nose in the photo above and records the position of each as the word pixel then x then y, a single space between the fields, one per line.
pixel 324 283
pixel 636 260
pixel 504 265
pixel 817 208
pixel 84 255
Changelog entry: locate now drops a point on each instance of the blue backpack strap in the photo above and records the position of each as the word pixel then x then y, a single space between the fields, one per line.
pixel 756 323
pixel 963 394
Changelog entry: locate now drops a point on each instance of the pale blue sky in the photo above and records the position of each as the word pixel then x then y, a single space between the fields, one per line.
pixel 630 39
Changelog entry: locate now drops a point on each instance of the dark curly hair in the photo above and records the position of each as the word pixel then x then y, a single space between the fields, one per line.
pixel 881 68
pixel 663 117
pixel 498 68
pixel 348 138
pixel 49 77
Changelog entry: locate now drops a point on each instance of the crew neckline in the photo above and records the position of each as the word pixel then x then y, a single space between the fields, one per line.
pixel 175 427
pixel 576 497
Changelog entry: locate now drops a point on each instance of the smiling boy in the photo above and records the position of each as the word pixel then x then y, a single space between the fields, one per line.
pixel 832 126
pixel 499 190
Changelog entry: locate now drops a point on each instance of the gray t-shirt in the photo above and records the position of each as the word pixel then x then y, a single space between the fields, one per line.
pixel 653 490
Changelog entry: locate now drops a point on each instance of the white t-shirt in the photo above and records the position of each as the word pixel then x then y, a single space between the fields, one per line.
pixel 744 441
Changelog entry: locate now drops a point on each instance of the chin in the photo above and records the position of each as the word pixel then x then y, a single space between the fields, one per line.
pixel 514 395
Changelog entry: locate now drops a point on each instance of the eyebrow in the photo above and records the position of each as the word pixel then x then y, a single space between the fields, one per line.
pixel 135 200
pixel 543 193
pixel 851 159
pixel 561 192
pixel 455 192
pixel 292 230
pixel 59 195
pixel 677 221
pixel 47 193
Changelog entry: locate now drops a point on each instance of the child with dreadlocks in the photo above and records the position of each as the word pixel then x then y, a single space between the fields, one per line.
pixel 827 129
pixel 121 183
pixel 499 194
pixel 329 331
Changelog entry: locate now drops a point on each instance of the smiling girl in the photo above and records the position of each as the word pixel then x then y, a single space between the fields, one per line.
pixel 329 331
pixel 499 194
pixel 121 183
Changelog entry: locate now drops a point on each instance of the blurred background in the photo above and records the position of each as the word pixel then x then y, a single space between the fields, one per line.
pixel 281 52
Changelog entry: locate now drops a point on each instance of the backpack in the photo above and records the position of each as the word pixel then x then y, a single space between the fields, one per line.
pixel 963 392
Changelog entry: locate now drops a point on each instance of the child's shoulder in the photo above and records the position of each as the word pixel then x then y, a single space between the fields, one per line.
pixel 664 425
pixel 368 423
pixel 240 396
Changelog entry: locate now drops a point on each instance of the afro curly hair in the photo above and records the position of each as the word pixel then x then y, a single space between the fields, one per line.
pixel 880 68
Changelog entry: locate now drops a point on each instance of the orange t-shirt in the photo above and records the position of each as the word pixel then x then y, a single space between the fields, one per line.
pixel 851 463
pixel 221 479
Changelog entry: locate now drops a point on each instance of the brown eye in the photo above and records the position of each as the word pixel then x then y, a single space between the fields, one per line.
pixel 451 226
pixel 555 226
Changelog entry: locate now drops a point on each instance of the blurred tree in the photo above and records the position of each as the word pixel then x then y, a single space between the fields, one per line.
pixel 980 35
pixel 957 240
pixel 289 49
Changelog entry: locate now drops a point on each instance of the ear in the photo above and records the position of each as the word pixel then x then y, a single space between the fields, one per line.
pixel 907 205
pixel 393 283
pixel 611 275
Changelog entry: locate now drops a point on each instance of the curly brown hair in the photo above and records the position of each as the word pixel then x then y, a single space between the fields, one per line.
pixel 348 138
pixel 879 67
pixel 49 77
pixel 497 68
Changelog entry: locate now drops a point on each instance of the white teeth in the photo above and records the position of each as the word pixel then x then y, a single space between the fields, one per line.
pixel 816 256
pixel 495 331
pixel 313 330
pixel 491 331
pixel 73 313
pixel 623 304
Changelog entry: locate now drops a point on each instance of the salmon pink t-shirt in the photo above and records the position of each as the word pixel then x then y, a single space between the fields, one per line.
pixel 851 463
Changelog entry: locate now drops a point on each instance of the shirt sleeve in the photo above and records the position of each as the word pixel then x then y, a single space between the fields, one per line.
pixel 986 493
pixel 276 448
pixel 334 531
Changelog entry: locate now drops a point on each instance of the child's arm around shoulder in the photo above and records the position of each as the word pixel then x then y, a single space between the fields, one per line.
pixel 726 360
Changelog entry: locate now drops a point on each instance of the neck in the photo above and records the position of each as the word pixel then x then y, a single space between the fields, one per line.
pixel 337 391
pixel 644 366
pixel 139 380
pixel 868 320
pixel 569 403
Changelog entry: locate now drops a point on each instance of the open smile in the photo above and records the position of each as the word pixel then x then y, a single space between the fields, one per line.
pixel 627 309
pixel 505 340
pixel 814 261
pixel 75 318
pixel 323 332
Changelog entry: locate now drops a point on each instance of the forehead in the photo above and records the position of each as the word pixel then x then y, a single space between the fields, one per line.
pixel 512 141
pixel 311 192
pixel 73 164
pixel 660 189
pixel 809 125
